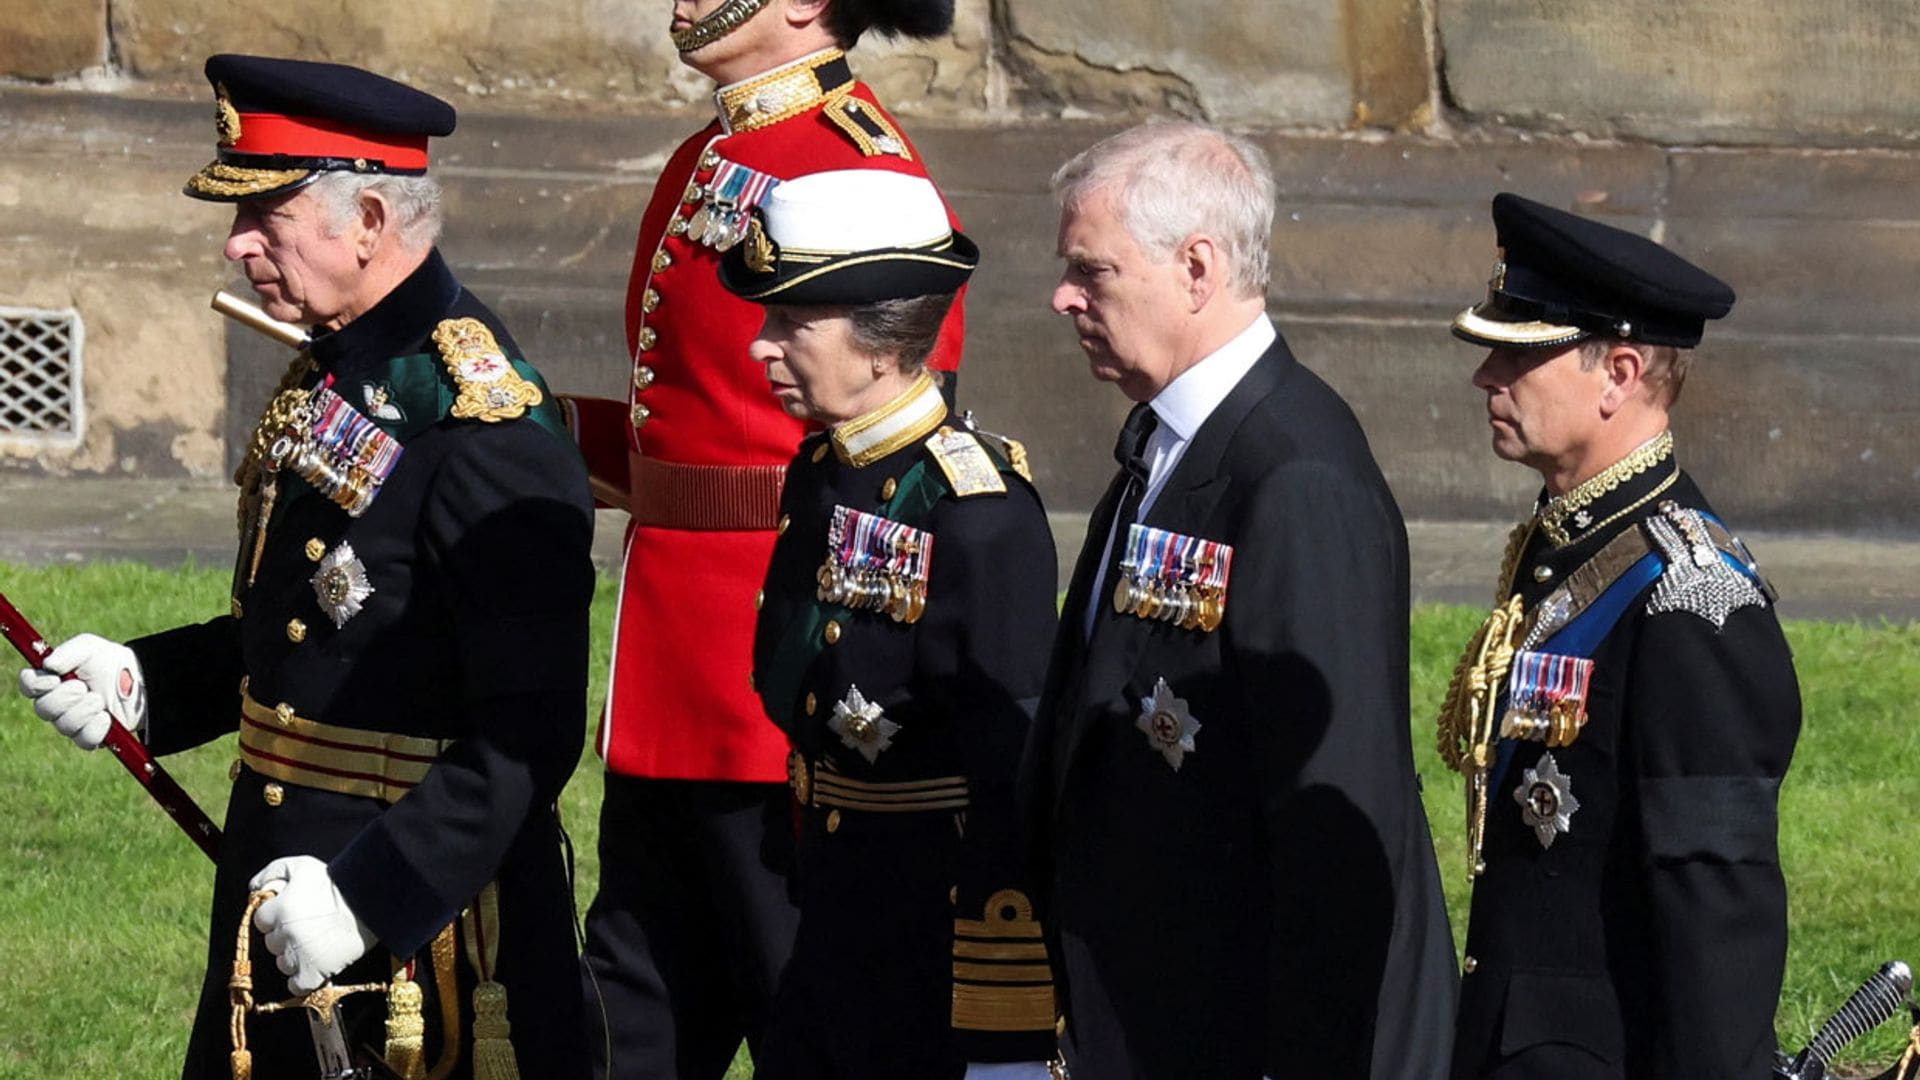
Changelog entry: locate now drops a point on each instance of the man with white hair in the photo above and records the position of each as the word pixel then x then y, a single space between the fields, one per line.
pixel 408 685
pixel 1236 872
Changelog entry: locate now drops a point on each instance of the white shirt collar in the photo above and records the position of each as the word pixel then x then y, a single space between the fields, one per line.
pixel 1186 402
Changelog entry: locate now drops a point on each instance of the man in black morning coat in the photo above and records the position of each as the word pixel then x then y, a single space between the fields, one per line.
pixel 405 657
pixel 1239 878
pixel 1639 706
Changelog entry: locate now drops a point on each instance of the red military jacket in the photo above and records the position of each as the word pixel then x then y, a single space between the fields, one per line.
pixel 698 450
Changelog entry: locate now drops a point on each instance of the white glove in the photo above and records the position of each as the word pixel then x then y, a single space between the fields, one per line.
pixel 309 927
pixel 1007 1070
pixel 110 688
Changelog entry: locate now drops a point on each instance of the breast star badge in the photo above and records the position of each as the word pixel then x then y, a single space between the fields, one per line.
pixel 341 585
pixel 1169 727
pixel 861 725
pixel 1546 801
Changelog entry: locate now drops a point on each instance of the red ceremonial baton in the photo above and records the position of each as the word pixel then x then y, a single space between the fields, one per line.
pixel 126 746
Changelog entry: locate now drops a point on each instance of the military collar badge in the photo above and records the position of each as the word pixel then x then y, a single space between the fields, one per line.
pixel 1169 725
pixel 489 388
pixel 1173 578
pixel 341 585
pixel 1546 800
pixel 861 725
pixel 380 406
pixel 876 564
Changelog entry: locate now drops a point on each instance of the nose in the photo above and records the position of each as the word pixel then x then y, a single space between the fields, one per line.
pixel 761 351
pixel 1068 298
pixel 1487 376
pixel 242 240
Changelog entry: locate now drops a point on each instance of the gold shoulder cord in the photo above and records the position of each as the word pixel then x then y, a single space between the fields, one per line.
pixel 258 485
pixel 1466 723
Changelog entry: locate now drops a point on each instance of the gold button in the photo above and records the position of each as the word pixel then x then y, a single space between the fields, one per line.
pixel 693 193
pixel 283 712
pixel 239 610
pixel 1543 573
pixel 296 631
pixel 273 794
pixel 953 895
pixel 640 415
pixel 833 821
pixel 759 599
pixel 677 227
pixel 781 528
pixel 887 489
pixel 233 770
pixel 1470 965
pixel 820 453
pixel 832 632
pixel 642 377
pixel 316 549
pixel 648 338
pixel 661 260
pixel 710 160
pixel 650 301
pixel 1060 1027
pixel 813 704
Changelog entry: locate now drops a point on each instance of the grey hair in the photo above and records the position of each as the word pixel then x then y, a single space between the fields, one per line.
pixel 905 329
pixel 1171 180
pixel 415 201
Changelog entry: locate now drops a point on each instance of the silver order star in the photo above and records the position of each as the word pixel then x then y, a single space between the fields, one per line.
pixel 1546 800
pixel 1168 724
pixel 861 725
pixel 341 585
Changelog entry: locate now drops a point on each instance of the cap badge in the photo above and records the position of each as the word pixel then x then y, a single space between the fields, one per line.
pixel 490 388
pixel 226 119
pixel 1497 281
pixel 861 725
pixel 341 585
pixel 1170 728
pixel 759 254
pixel 1546 801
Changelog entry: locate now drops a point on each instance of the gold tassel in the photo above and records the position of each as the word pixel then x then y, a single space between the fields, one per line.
pixel 492 1048
pixel 406 1051
pixel 241 1062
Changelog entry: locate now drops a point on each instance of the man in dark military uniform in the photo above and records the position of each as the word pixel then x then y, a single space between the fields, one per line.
pixel 900 646
pixel 1239 876
pixel 691 923
pixel 1627 712
pixel 405 658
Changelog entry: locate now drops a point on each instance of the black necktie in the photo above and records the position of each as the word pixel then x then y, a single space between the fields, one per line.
pixel 1130 450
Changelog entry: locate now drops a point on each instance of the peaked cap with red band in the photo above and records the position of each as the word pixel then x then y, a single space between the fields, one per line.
pixel 282 124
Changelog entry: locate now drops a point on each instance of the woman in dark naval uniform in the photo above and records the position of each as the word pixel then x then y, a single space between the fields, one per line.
pixel 901 643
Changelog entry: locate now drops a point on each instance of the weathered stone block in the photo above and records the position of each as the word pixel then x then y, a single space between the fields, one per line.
pixel 1690 70
pixel 50 40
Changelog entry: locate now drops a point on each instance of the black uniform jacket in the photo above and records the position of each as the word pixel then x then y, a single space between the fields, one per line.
pixel 475 634
pixel 1273 906
pixel 917 948
pixel 1649 939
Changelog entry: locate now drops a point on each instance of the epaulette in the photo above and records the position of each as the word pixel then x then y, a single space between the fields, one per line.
pixel 1009 448
pixel 1700 575
pixel 868 127
pixel 488 388
pixel 969 468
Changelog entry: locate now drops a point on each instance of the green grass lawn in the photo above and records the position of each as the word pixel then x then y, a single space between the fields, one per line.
pixel 103 903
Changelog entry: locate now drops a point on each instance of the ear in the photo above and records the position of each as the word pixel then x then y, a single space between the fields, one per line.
pixel 1203 267
pixel 804 13
pixel 372 225
pixel 1624 368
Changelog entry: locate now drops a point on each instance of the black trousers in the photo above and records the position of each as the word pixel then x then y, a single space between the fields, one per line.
pixel 691 927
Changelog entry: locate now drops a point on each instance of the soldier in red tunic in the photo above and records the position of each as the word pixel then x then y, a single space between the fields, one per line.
pixel 692 923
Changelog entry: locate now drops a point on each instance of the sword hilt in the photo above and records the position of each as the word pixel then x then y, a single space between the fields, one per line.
pixel 1877 999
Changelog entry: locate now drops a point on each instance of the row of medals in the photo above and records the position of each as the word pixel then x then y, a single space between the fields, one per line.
pixel 717 224
pixel 348 485
pixel 905 601
pixel 1190 607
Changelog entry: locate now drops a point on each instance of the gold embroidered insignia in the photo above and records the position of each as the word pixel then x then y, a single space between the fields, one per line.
pixel 490 389
pixel 759 254
pixel 226 118
pixel 868 127
pixel 969 470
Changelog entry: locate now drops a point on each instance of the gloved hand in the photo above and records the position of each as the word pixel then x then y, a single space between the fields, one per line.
pixel 309 928
pixel 1007 1070
pixel 110 688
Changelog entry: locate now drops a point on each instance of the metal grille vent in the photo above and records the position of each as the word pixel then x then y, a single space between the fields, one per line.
pixel 40 402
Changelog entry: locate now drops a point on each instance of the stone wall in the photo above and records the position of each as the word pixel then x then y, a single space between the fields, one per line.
pixel 1771 148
